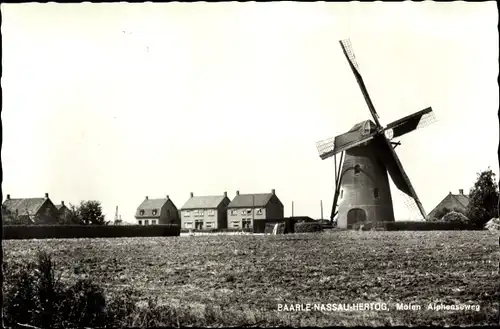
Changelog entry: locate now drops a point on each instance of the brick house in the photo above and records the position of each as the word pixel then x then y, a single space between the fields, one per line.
pixel 157 211
pixel 30 210
pixel 452 201
pixel 248 207
pixel 205 212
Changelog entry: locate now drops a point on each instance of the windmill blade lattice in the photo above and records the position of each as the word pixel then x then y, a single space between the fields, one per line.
pixel 411 206
pixel 325 147
pixel 350 53
pixel 426 120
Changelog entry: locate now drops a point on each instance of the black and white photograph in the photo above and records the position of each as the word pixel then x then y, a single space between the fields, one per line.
pixel 250 164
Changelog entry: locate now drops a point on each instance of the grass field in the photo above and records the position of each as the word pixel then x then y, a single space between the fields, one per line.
pixel 240 280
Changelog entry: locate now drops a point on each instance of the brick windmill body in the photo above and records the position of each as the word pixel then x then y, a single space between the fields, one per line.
pixel 367 159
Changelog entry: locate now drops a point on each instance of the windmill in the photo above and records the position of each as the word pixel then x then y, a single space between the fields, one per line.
pixel 367 155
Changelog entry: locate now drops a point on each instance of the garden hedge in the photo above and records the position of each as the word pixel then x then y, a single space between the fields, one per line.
pixel 87 231
pixel 412 226
pixel 306 227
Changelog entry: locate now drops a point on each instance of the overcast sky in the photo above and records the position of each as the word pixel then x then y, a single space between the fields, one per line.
pixel 113 102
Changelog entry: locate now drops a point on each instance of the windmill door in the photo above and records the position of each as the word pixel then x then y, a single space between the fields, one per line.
pixel 356 215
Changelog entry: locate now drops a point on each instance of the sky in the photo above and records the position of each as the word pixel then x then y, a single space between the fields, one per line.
pixel 115 102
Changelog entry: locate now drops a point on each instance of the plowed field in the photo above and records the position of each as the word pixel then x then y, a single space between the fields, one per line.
pixel 251 275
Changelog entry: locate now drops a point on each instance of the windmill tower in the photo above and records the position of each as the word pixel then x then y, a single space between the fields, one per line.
pixel 367 158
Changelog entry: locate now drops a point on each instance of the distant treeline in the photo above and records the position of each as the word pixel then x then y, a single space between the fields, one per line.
pixel 87 231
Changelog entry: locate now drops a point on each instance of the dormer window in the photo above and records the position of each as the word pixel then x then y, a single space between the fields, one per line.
pixel 141 212
pixel 155 211
pixel 357 169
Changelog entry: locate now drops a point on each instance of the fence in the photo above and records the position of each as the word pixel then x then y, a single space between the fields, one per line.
pixel 87 231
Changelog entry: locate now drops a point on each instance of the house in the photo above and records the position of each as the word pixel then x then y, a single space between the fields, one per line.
pixel 63 211
pixel 30 210
pixel 157 211
pixel 205 212
pixel 245 208
pixel 452 201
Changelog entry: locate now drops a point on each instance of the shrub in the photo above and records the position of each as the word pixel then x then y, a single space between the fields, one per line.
pixel 307 227
pixel 443 211
pixel 454 217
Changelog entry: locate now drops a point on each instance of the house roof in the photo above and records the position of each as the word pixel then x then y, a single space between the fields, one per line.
pixel 451 201
pixel 60 206
pixel 203 202
pixel 26 206
pixel 462 198
pixel 148 205
pixel 250 200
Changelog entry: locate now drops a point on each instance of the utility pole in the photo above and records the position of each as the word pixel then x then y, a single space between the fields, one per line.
pixel 253 209
pixel 292 208
pixel 321 205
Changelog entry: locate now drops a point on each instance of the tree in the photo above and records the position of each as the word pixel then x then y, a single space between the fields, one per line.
pixel 483 199
pixel 90 212
pixel 72 216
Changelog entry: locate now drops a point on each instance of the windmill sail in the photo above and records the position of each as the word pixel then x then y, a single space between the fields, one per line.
pixel 411 122
pixel 349 54
pixel 396 170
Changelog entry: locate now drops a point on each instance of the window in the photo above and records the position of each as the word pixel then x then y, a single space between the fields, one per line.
pixel 375 193
pixel 357 169
pixel 140 222
pixel 259 211
pixel 155 211
pixel 233 212
pixel 153 222
pixel 141 212
pixel 249 211
pixel 211 212
pixel 243 212
pixel 187 213
pixel 341 194
pixel 235 223
pixel 188 225
pixel 209 224
pixel 201 213
pixel 146 222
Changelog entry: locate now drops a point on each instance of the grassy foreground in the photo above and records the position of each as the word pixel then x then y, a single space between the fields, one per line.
pixel 240 280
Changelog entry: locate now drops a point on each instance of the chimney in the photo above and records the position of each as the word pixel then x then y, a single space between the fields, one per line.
pixel 225 194
pixel 192 195
pixel 46 195
pixel 168 198
pixel 62 203
pixel 146 197
pixel 273 191
pixel 8 196
pixel 461 191
pixel 237 192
